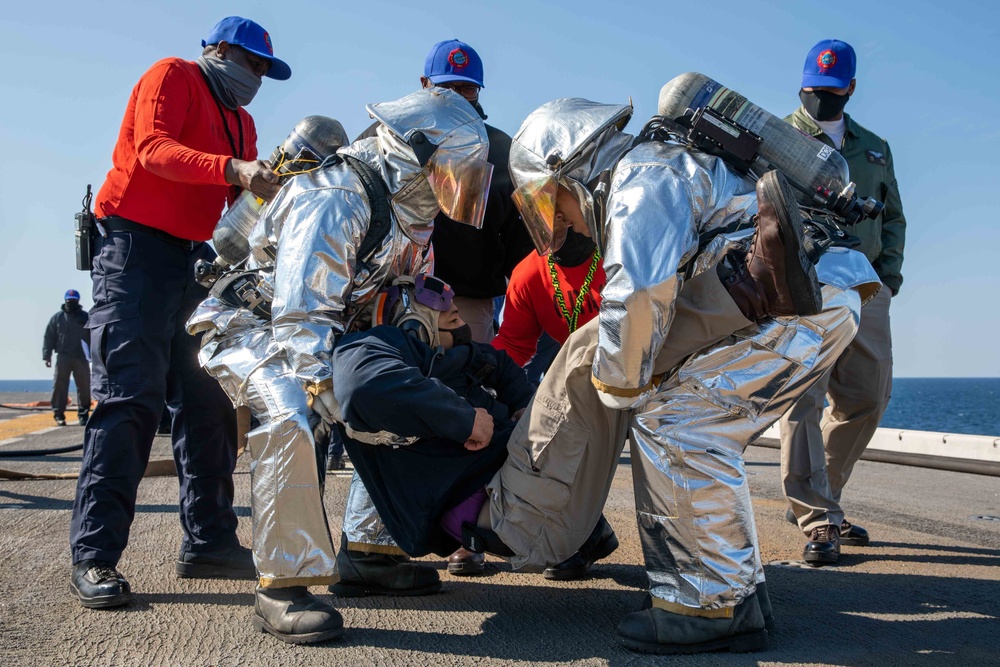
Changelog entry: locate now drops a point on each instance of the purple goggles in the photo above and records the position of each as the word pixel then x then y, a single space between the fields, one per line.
pixel 433 292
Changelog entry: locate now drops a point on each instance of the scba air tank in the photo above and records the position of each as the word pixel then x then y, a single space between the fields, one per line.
pixel 313 139
pixel 813 166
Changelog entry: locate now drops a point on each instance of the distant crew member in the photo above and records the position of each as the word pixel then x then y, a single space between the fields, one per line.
pixel 819 448
pixel 185 149
pixel 67 336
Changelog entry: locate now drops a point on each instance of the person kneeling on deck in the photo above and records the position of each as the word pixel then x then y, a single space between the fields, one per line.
pixel 426 413
pixel 664 213
pixel 312 249
pixel 447 393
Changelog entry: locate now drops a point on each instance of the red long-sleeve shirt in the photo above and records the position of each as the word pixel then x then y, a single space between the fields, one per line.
pixel 170 159
pixel 532 308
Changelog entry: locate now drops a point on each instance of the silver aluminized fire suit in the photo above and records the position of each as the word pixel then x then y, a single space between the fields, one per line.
pixel 305 247
pixel 689 426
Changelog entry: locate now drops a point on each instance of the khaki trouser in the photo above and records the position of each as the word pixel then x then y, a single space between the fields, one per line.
pixel 820 447
pixel 564 451
pixel 478 314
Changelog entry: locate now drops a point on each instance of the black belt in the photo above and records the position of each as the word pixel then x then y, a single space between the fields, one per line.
pixel 114 223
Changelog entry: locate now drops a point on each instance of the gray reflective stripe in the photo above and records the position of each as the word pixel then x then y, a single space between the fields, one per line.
pixel 380 438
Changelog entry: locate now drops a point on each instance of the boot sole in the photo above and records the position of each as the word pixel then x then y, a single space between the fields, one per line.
pixel 105 602
pixel 807 301
pixel 607 548
pixel 821 559
pixel 306 638
pixel 360 591
pixel 205 571
pixel 746 643
pixel 768 619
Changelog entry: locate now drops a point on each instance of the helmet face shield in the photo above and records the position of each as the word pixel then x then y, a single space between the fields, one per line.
pixel 536 201
pixel 461 185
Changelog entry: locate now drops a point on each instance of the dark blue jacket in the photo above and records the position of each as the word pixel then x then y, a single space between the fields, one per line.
pixel 386 380
pixel 66 332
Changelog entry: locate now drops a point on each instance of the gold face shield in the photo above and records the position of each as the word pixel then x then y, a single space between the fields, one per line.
pixel 461 185
pixel 536 201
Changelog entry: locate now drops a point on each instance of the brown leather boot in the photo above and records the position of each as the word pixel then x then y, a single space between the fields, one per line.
pixel 776 277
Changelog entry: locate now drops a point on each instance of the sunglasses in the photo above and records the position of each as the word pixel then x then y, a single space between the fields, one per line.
pixel 466 90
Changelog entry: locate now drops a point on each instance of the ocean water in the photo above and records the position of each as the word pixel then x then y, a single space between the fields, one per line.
pixel 950 405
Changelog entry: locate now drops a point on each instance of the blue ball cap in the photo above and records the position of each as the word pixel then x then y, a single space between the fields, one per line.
pixel 453 60
pixel 72 295
pixel 252 37
pixel 831 63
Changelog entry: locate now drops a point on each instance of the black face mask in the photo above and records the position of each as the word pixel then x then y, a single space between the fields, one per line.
pixel 71 305
pixel 822 104
pixel 577 249
pixel 479 109
pixel 462 335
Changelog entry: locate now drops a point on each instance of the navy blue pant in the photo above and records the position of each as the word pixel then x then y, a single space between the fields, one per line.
pixel 144 291
pixel 336 444
pixel 66 365
pixel 545 353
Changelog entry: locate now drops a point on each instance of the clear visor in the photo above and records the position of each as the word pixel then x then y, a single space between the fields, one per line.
pixel 536 201
pixel 461 185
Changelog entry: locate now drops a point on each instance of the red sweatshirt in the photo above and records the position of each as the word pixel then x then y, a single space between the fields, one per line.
pixel 172 151
pixel 531 305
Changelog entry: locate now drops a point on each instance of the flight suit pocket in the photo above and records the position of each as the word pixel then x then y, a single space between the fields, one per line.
pixel 116 346
pixel 113 255
pixel 547 457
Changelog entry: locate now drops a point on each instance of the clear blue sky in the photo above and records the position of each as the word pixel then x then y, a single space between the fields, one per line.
pixel 927 81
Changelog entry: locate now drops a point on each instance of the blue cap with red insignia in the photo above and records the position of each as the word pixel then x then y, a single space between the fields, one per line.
pixel 252 37
pixel 71 295
pixel 830 64
pixel 453 60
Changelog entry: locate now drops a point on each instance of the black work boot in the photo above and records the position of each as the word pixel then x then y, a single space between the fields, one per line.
pixel 656 630
pixel 776 277
pixel 98 585
pixel 296 616
pixel 363 573
pixel 823 547
pixel 464 563
pixel 232 563
pixel 601 544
